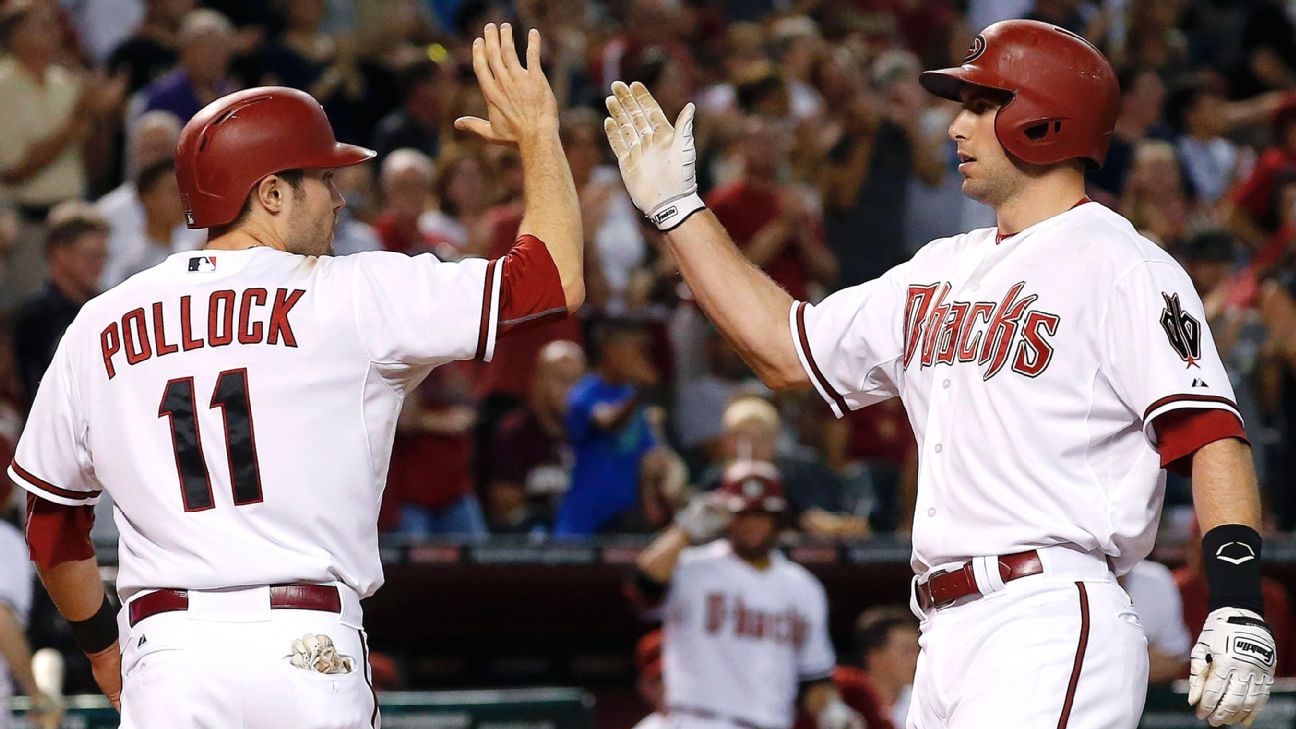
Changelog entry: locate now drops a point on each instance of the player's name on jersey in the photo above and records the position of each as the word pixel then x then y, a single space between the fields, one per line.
pixel 250 316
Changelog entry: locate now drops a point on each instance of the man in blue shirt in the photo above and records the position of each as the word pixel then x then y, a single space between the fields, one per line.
pixel 609 433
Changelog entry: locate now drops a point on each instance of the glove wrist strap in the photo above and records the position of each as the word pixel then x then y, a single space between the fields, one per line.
pixel 1231 555
pixel 672 213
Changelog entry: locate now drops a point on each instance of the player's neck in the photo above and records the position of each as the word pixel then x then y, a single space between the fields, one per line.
pixel 1046 196
pixel 241 239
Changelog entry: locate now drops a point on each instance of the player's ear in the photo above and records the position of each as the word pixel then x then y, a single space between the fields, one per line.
pixel 270 193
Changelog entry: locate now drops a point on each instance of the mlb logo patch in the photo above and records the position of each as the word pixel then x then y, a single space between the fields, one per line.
pixel 202 264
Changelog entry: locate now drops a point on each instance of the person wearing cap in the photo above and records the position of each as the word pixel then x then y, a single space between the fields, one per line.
pixel 239 404
pixel 745 630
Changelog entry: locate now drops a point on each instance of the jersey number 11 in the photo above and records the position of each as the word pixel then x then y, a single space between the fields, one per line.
pixel 231 396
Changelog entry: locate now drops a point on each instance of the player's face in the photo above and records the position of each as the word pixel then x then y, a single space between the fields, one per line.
pixel 989 175
pixel 898 657
pixel 752 534
pixel 312 212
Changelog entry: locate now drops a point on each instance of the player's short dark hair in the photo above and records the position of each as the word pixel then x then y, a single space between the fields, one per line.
pixel 873 628
pixel 68 222
pixel 150 176
pixel 294 178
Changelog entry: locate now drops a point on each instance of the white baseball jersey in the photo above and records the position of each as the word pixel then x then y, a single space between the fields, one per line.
pixel 1032 370
pixel 239 407
pixel 737 641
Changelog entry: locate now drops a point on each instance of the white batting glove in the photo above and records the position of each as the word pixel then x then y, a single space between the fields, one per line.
pixel 1232 669
pixel 704 518
pixel 658 162
pixel 837 715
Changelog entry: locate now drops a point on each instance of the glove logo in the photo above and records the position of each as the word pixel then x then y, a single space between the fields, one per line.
pixel 1237 553
pixel 664 215
pixel 1247 647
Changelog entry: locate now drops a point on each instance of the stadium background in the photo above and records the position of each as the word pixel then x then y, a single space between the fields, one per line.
pixel 818 151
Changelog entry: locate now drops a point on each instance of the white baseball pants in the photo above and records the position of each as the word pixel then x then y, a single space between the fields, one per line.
pixel 1059 650
pixel 225 663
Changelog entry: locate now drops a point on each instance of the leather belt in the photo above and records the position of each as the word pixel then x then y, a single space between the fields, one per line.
pixel 944 587
pixel 324 598
pixel 708 714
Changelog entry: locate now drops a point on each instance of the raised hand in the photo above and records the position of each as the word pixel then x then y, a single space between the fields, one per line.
pixel 519 102
pixel 657 160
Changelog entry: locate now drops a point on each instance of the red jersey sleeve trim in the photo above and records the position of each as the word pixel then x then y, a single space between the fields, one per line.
pixel 57 533
pixel 46 490
pixel 487 329
pixel 1181 433
pixel 1177 402
pixel 801 341
pixel 530 289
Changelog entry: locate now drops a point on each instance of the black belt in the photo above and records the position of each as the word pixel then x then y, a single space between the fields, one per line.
pixel 714 716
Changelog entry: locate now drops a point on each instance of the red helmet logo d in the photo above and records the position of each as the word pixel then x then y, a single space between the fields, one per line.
pixel 976 49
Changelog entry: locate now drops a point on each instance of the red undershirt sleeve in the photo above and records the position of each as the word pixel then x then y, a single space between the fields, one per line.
pixel 57 533
pixel 1181 433
pixel 531 289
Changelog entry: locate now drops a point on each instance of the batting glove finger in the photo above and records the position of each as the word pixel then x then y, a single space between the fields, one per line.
pixel 1197 670
pixel 1254 712
pixel 1212 692
pixel 1230 705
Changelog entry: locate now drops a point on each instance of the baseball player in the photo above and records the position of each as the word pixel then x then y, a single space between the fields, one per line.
pixel 239 404
pixel 1052 367
pixel 745 634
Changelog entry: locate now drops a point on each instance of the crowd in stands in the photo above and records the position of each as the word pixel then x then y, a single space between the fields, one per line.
pixel 817 149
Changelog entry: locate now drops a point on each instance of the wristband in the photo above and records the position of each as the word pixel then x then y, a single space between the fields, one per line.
pixel 672 213
pixel 97 632
pixel 1231 555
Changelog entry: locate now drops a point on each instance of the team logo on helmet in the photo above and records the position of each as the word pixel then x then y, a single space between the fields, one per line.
pixel 976 49
pixel 1182 328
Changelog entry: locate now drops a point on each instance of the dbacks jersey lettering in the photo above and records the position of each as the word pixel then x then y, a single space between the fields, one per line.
pixel 738 641
pixel 1032 370
pixel 240 406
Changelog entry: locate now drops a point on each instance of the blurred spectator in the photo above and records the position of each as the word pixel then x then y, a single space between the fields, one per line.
pixel 417 123
pixel 150 49
pixel 205 41
pixel 650 685
pixel 406 181
pixel 458 225
pixel 1196 110
pixel 354 234
pixel 701 401
pixel 1154 199
pixel 887 641
pixel 814 493
pixel 76 247
pixel 526 487
pixel 1195 596
pixel 609 218
pixel 776 226
pixel 15 603
pixel 797 42
pixel 649 24
pixel 610 434
pixel 430 481
pixel 882 146
pixel 307 58
pixel 161 232
pixel 874 452
pixel 48 116
pixel 1142 96
pixel 1156 599
pixel 1254 210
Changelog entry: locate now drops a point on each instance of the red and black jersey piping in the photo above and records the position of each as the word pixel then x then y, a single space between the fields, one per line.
pixel 815 372
pixel 44 485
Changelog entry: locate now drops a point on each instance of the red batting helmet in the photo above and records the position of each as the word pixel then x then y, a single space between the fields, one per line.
pixel 1063 94
pixel 237 140
pixel 753 486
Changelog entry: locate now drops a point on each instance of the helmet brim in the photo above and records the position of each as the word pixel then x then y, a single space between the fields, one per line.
pixel 342 155
pixel 948 83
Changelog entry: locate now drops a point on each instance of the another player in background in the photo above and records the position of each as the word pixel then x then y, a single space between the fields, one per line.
pixel 1052 367
pixel 239 404
pixel 745 630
